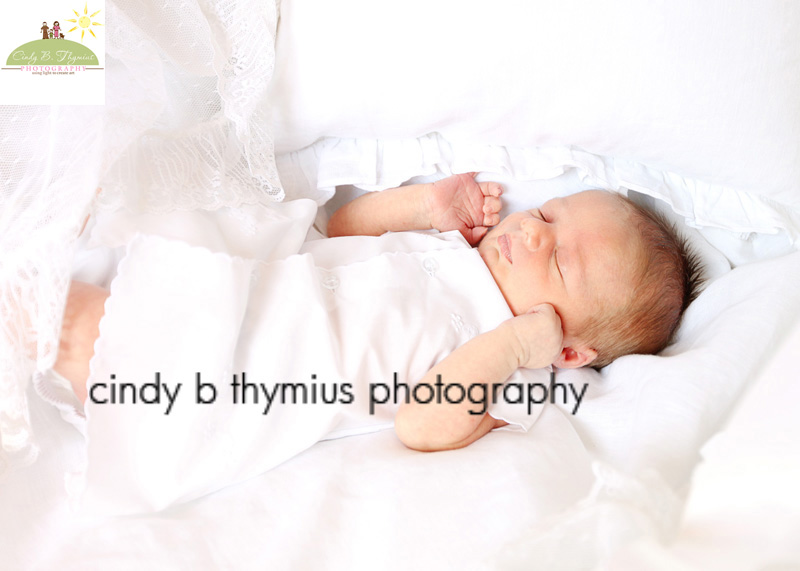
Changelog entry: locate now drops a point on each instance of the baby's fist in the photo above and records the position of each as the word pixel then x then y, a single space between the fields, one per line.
pixel 460 203
pixel 537 336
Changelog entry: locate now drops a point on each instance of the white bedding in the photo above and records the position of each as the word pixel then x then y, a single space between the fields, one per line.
pixel 743 511
pixel 695 105
pixel 572 492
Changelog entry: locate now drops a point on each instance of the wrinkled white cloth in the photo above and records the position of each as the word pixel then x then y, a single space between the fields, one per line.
pixel 341 317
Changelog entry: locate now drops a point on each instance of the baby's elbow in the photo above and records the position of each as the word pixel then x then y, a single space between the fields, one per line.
pixel 333 230
pixel 410 433
pixel 418 431
pixel 338 225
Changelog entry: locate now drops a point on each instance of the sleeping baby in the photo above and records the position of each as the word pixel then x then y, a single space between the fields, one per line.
pixel 578 282
pixel 589 277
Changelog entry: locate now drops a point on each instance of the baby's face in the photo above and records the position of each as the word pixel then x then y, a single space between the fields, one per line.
pixel 571 253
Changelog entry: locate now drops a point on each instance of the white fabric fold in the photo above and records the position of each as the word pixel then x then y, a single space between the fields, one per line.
pixel 373 164
pixel 183 128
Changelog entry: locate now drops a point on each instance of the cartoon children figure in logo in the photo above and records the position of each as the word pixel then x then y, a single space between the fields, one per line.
pixel 45 29
pixel 56 29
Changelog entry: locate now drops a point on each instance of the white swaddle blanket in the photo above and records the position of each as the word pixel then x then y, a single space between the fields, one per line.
pixel 318 337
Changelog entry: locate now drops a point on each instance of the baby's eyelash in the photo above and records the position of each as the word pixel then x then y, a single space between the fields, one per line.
pixel 558 266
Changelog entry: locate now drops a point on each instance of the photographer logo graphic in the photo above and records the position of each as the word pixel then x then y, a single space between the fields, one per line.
pixel 61 61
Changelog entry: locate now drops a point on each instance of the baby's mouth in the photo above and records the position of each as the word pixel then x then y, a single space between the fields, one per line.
pixel 505 247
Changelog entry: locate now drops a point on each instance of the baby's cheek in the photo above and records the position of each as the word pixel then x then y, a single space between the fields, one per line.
pixel 572 323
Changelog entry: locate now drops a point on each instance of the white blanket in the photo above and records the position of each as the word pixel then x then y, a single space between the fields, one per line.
pixel 573 490
pixel 211 369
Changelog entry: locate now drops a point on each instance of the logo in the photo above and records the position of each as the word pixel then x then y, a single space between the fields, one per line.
pixel 61 55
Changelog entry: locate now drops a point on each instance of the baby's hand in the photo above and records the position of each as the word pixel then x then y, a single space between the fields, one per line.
pixel 536 336
pixel 459 203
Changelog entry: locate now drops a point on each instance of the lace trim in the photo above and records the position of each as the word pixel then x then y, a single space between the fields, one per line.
pixel 183 128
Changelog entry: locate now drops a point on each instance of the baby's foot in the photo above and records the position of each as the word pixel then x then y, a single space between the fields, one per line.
pixel 86 221
pixel 79 330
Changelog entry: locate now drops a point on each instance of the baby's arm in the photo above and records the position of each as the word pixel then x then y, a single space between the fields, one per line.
pixel 533 341
pixel 454 203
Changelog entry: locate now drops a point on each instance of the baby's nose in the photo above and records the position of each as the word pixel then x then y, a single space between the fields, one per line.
pixel 536 233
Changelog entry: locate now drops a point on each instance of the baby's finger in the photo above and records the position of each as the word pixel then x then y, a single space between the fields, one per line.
pixel 544 309
pixel 492 204
pixel 541 308
pixel 491 188
pixel 491 211
pixel 491 219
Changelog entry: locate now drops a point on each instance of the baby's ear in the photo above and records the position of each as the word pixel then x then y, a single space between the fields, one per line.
pixel 572 358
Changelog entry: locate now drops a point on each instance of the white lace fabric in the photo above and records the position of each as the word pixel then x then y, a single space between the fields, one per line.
pixel 183 128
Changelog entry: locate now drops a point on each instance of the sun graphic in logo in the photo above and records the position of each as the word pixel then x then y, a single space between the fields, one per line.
pixel 84 21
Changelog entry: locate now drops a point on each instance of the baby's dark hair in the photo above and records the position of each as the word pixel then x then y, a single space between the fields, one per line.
pixel 667 278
